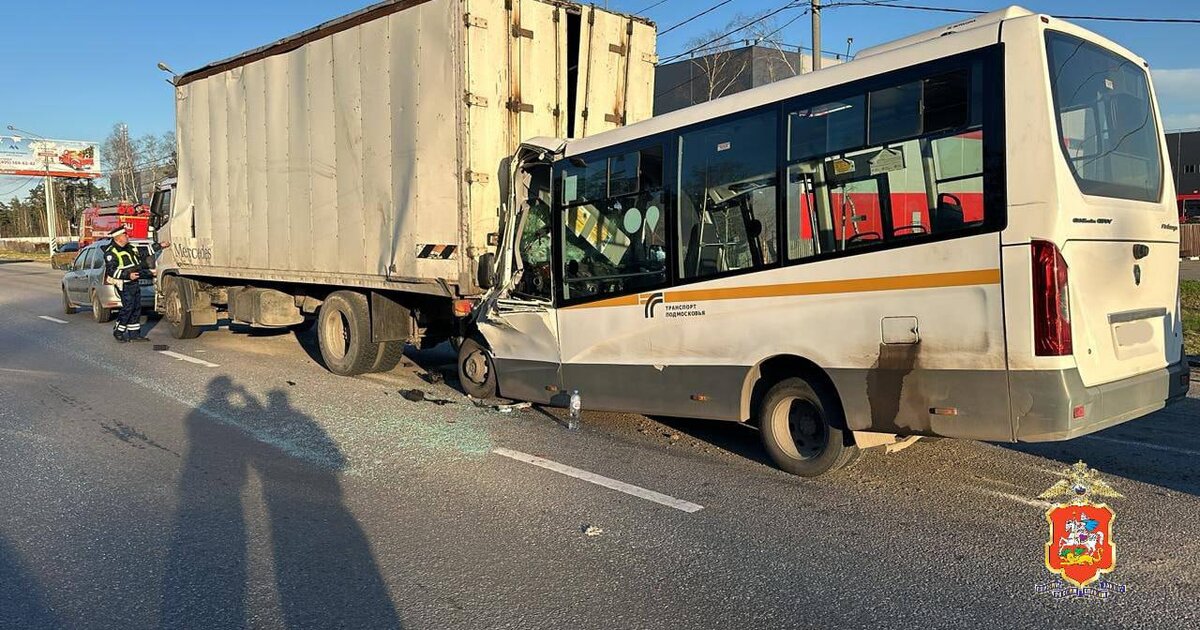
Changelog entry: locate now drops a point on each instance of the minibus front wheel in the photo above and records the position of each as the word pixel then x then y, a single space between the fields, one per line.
pixel 476 369
pixel 800 425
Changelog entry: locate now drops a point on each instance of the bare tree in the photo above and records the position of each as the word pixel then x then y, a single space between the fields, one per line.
pixel 717 67
pixel 767 33
pixel 121 154
pixel 136 166
pixel 158 159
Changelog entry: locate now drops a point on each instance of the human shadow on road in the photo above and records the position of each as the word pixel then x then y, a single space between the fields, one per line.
pixel 325 573
pixel 21 603
pixel 1159 449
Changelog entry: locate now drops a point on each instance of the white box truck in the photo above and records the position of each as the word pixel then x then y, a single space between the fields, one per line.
pixel 356 173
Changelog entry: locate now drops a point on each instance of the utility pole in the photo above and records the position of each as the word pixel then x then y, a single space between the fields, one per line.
pixel 815 9
pixel 51 211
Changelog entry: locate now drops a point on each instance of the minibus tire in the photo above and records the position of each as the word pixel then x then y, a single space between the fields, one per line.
pixel 473 383
pixel 794 408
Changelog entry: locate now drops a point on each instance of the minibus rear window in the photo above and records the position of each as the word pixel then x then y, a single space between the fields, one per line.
pixel 1106 120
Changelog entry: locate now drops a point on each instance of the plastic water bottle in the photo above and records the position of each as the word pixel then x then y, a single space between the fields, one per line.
pixel 575 408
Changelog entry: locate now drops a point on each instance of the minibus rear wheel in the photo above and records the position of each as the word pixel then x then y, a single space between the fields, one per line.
pixel 800 425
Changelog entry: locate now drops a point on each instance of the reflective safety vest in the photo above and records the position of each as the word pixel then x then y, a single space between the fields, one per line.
pixel 119 262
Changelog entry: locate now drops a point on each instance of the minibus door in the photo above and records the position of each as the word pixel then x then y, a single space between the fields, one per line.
pixel 519 321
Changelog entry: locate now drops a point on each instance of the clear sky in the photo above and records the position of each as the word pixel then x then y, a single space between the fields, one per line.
pixel 70 69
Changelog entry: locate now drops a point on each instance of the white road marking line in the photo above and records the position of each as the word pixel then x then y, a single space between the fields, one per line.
pixel 54 319
pixel 184 357
pixel 612 484
pixel 1153 447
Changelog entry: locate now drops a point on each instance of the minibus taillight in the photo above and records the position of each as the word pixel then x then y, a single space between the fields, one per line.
pixel 1051 312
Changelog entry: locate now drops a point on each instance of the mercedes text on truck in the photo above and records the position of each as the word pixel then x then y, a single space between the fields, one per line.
pixel 966 233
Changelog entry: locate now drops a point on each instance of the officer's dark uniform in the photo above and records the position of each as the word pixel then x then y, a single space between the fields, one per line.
pixel 119 263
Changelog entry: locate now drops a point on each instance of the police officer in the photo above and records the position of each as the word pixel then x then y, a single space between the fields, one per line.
pixel 123 266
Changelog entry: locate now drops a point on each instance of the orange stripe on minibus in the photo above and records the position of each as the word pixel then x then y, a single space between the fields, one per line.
pixel 822 287
pixel 624 300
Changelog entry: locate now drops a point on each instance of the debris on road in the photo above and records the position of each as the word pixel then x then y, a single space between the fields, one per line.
pixel 502 407
pixel 292 383
pixel 590 530
pixel 416 395
pixel 433 378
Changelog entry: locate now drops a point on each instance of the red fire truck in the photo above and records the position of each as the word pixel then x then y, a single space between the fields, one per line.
pixel 98 221
pixel 1189 207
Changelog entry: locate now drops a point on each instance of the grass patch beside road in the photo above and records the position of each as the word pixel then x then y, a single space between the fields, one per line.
pixel 6 254
pixel 1190 292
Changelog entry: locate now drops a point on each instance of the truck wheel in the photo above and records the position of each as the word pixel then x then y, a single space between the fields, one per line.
pixel 476 369
pixel 798 423
pixel 344 332
pixel 177 310
pixel 99 313
pixel 390 353
pixel 68 307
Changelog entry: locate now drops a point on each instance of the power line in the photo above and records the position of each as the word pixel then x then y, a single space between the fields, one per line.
pixel 1100 18
pixel 651 6
pixel 700 14
pixel 19 186
pixel 789 5
pixel 692 79
pixel 778 44
pixel 768 36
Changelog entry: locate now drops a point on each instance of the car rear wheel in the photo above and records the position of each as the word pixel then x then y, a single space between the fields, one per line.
pixel 68 307
pixel 100 313
pixel 800 425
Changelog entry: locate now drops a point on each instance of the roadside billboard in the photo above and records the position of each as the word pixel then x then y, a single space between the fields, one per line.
pixel 33 156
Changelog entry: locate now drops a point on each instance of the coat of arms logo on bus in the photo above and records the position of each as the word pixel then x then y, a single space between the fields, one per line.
pixel 1080 549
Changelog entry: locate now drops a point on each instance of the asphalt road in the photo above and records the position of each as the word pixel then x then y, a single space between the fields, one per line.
pixel 254 489
pixel 1189 269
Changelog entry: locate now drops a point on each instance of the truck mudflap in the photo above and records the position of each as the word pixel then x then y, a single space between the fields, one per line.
pixel 1046 403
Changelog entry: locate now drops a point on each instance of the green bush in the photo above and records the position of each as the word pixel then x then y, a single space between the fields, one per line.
pixel 1190 292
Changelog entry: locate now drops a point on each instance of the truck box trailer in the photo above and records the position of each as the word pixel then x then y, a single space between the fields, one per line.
pixel 370 156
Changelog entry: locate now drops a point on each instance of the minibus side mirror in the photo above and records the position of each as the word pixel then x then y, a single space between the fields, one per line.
pixel 485 275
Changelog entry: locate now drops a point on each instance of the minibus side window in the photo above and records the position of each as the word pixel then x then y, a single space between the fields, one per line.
pixel 614 226
pixel 727 200
pixel 917 172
